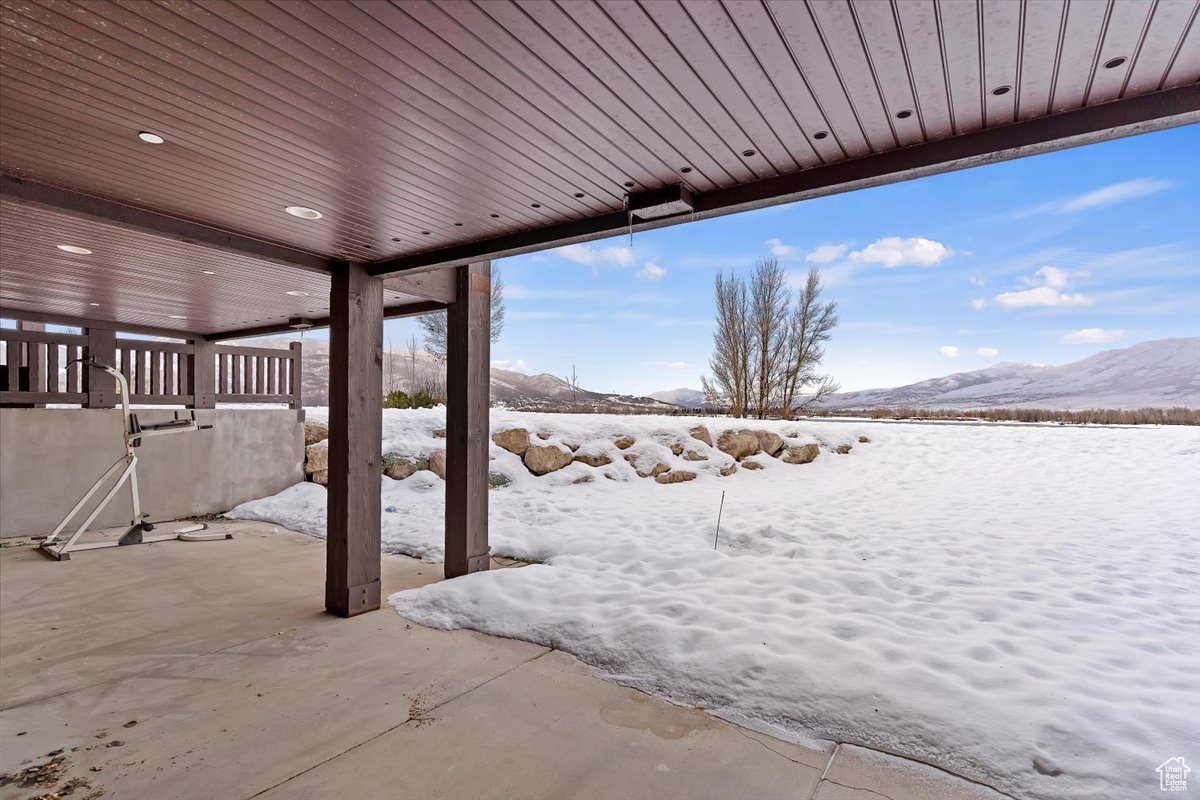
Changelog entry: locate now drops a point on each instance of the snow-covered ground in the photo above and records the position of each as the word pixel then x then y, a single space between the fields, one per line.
pixel 1017 604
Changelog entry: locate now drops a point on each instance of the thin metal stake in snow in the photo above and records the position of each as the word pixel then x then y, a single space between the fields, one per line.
pixel 719 510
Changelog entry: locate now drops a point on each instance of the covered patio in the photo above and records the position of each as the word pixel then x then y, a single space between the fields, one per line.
pixel 207 172
pixel 224 170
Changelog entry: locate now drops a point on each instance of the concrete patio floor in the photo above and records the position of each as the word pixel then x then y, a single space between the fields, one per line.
pixel 209 671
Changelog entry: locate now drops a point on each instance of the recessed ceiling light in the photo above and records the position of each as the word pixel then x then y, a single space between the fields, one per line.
pixel 297 293
pixel 905 114
pixel 424 233
pixel 207 272
pixel 999 90
pixel 1112 63
pixel 629 184
pixel 495 216
pixel 535 205
pixel 303 213
pixel 93 304
pixel 685 170
pixel 749 153
pixel 820 135
pixel 176 316
pixel 150 138
pixel 579 194
pixel 458 224
pixel 79 251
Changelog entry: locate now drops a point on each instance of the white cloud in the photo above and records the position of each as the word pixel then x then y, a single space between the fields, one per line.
pixel 1048 284
pixel 896 252
pixel 1093 336
pixel 679 364
pixel 1039 296
pixel 978 303
pixel 514 365
pixel 948 350
pixel 977 280
pixel 586 254
pixel 651 272
pixel 1053 277
pixel 987 352
pixel 1115 193
pixel 826 253
pixel 781 250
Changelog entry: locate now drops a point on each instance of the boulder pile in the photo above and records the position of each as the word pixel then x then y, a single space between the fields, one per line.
pixel 543 454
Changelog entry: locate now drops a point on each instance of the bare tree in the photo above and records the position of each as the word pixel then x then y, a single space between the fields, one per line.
pixel 433 326
pixel 731 361
pixel 810 326
pixel 768 326
pixel 573 384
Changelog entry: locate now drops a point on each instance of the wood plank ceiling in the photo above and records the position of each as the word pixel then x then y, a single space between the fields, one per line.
pixel 414 126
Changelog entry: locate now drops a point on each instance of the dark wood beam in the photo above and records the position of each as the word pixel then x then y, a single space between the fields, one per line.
pixel 352 555
pixel 468 343
pixel 1042 135
pixel 395 312
pixel 93 322
pixel 75 204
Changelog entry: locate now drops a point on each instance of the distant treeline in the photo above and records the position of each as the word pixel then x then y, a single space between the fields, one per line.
pixel 1094 416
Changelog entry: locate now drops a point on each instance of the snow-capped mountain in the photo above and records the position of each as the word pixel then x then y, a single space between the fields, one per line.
pixel 407 371
pixel 1158 374
pixel 686 398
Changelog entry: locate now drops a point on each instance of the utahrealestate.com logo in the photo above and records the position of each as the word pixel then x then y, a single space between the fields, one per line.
pixel 1172 775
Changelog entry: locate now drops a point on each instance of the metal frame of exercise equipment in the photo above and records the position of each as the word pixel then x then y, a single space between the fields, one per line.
pixel 126 468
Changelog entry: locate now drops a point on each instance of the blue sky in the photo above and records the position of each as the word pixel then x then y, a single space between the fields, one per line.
pixel 1046 260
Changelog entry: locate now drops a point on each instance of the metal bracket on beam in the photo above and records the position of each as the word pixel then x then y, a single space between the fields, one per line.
pixel 668 201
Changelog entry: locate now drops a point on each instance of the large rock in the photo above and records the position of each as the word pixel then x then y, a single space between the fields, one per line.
pixel 399 469
pixel 702 433
pixel 437 463
pixel 514 440
pixel 738 444
pixel 321 477
pixel 658 469
pixel 593 460
pixel 544 459
pixel 770 443
pixel 315 432
pixel 844 449
pixel 625 442
pixel 800 454
pixel 863 440
pixel 675 476
pixel 676 449
pixel 316 458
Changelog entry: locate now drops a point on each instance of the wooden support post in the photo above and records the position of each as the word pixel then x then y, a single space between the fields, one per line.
pixel 468 379
pixel 352 557
pixel 202 374
pixel 101 387
pixel 296 373
pixel 38 381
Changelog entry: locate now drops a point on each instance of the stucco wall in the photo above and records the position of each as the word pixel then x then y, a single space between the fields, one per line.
pixel 50 456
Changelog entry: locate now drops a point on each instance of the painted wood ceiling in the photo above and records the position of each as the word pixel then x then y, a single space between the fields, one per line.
pixel 413 126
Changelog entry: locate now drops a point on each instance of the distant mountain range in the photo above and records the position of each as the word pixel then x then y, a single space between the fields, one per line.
pixel 407 371
pixel 1158 374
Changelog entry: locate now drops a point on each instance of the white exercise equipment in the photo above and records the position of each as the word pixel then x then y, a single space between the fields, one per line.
pixel 126 467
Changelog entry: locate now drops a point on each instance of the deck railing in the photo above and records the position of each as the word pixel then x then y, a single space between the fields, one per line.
pixel 39 367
